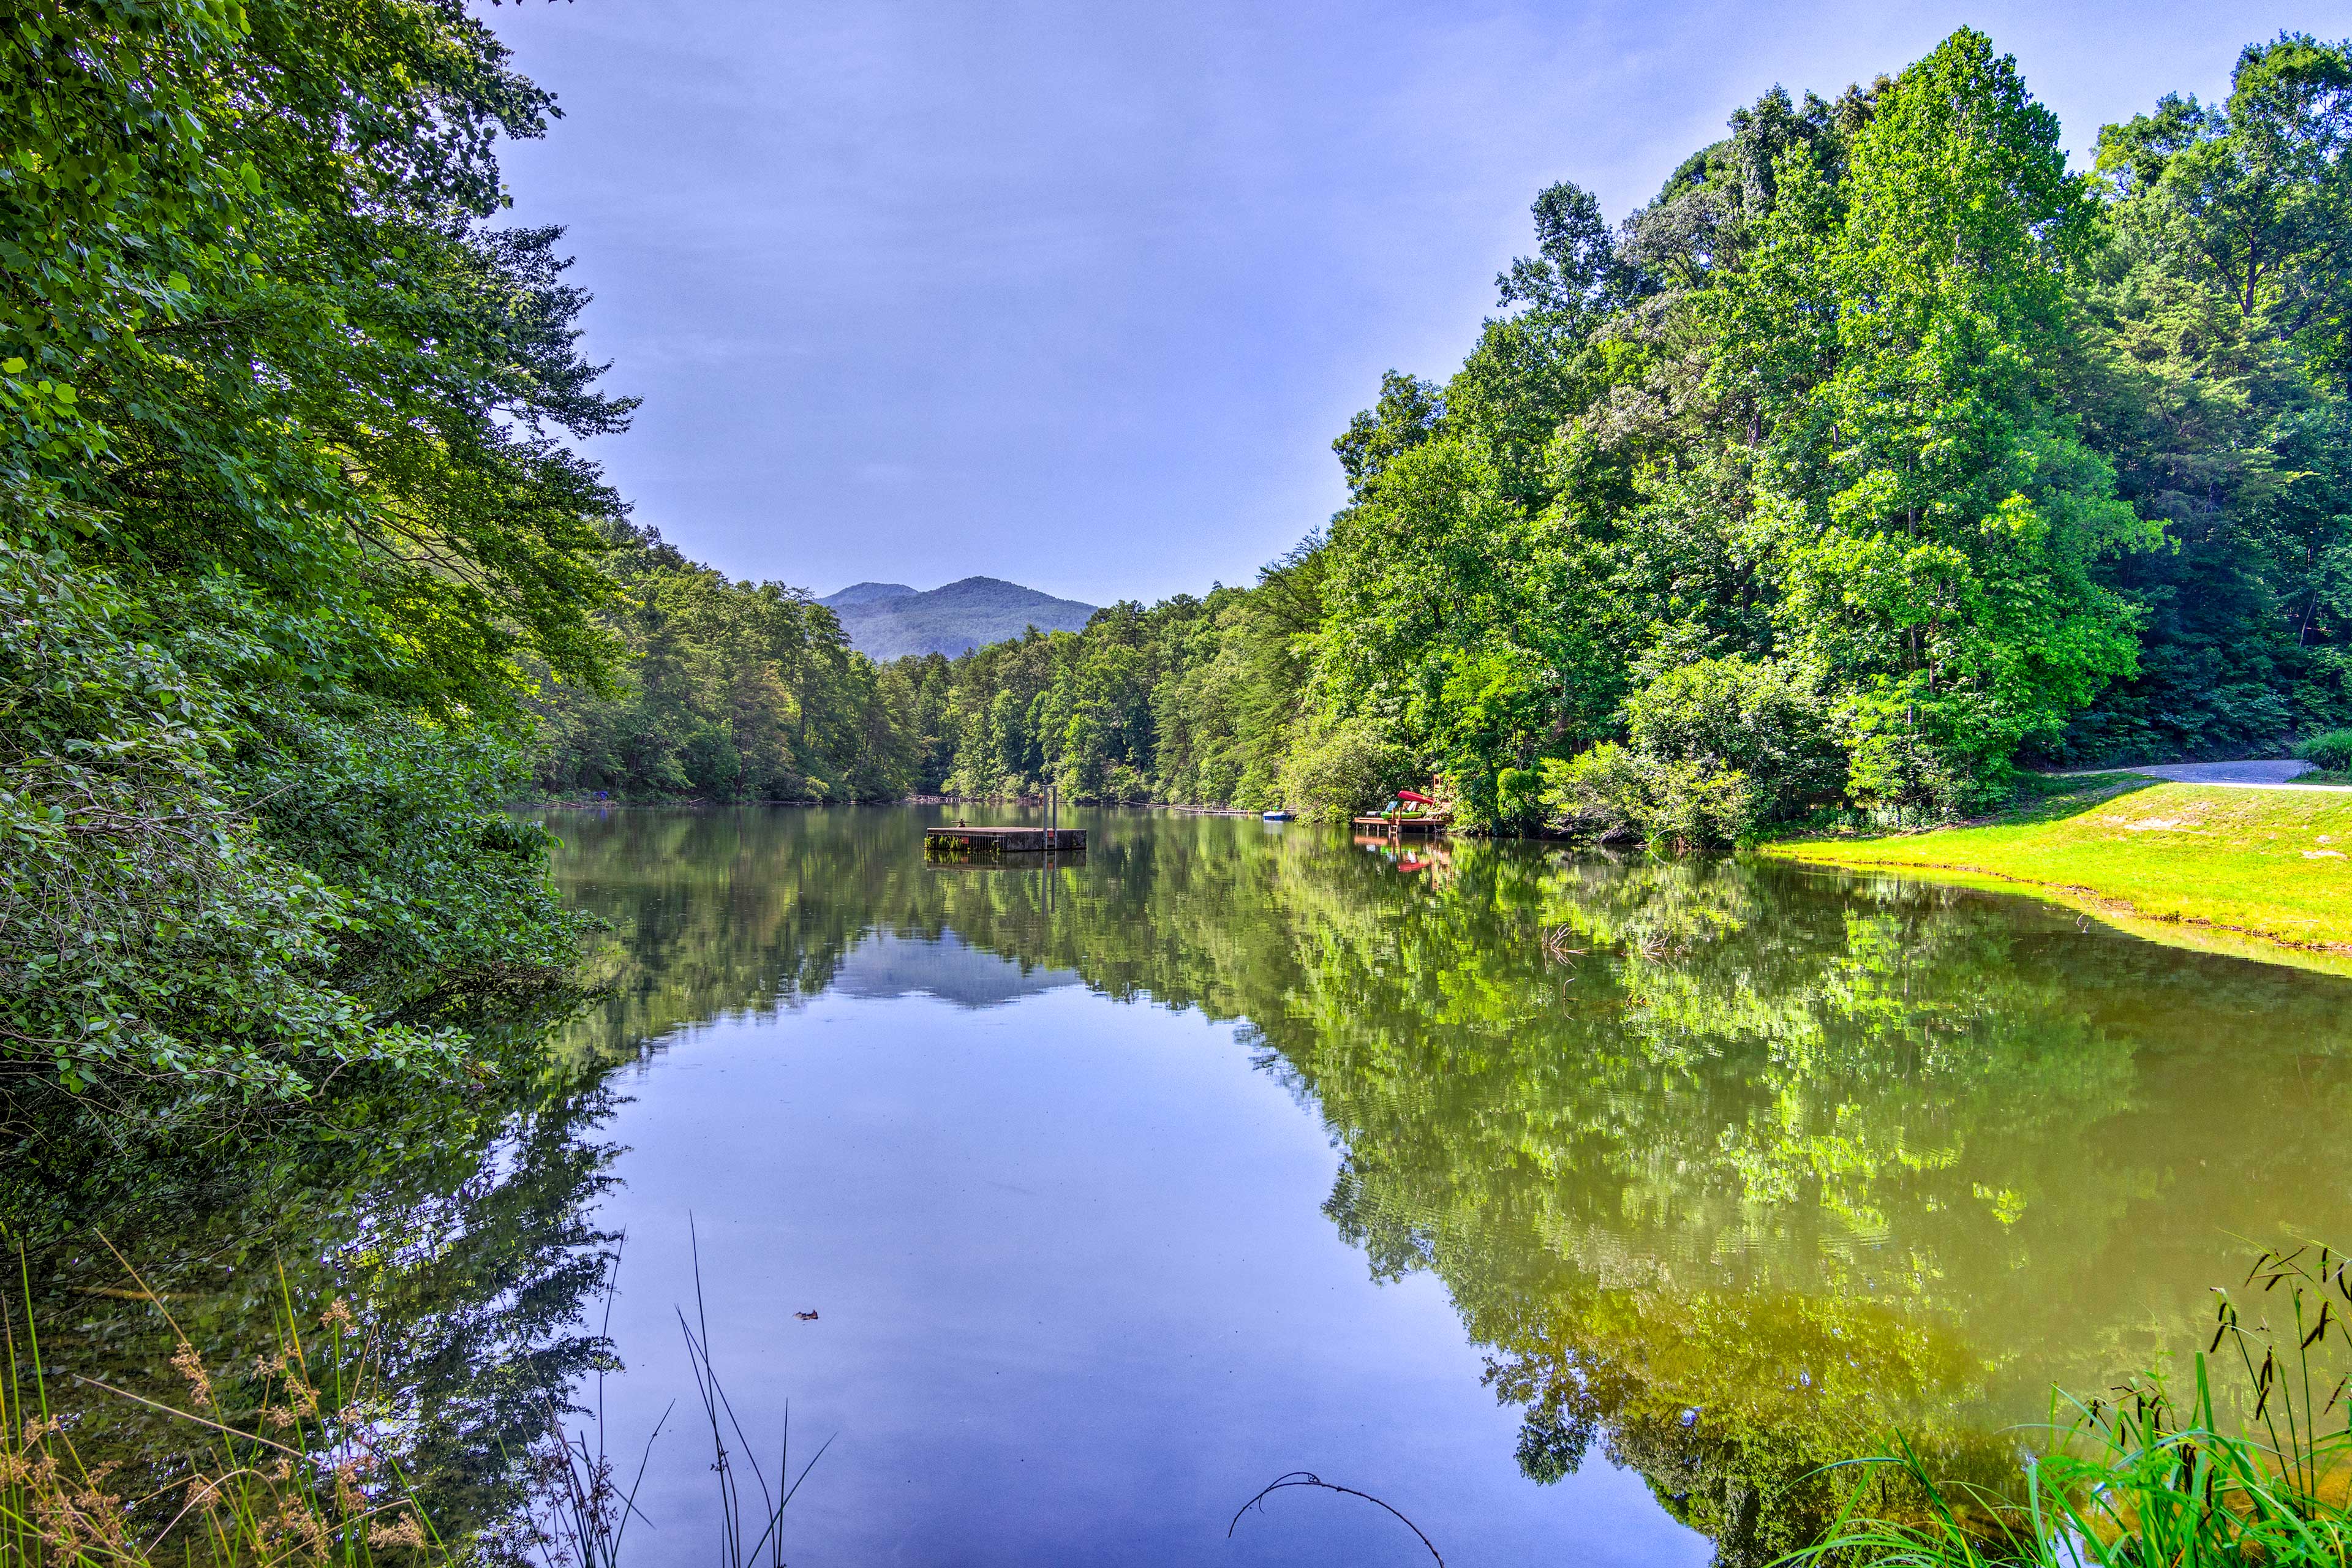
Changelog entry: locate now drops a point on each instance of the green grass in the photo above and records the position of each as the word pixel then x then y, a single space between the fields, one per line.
pixel 2262 872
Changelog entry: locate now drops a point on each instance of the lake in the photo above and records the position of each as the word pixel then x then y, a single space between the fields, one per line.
pixel 1576 1206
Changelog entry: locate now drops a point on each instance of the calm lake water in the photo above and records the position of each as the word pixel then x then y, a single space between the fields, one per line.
pixel 1577 1207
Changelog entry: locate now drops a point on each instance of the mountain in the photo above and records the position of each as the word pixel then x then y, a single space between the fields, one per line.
pixel 868 593
pixel 890 620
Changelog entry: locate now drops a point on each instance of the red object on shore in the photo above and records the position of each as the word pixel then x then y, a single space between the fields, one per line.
pixel 1415 796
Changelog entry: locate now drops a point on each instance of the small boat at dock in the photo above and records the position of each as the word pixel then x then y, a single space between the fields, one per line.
pixel 1279 816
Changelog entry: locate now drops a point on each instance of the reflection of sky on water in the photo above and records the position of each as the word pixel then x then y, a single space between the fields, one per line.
pixel 1714 1170
pixel 1077 1297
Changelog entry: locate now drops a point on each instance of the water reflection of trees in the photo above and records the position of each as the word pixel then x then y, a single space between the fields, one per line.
pixel 459 1230
pixel 1730 1168
pixel 1774 1164
pixel 1727 1168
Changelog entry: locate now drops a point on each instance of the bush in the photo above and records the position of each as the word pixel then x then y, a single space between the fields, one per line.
pixel 1726 716
pixel 1700 806
pixel 151 941
pixel 1520 798
pixel 1611 792
pixel 1717 748
pixel 1341 770
pixel 447 899
pixel 1602 793
pixel 2332 750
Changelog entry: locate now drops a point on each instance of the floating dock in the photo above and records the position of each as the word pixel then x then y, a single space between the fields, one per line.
pixel 1002 840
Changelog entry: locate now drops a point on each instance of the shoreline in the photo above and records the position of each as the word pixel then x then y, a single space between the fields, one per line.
pixel 705 803
pixel 2260 874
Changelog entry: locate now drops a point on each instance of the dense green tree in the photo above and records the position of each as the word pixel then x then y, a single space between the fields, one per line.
pixel 2208 374
pixel 1936 518
pixel 1409 412
pixel 254 322
pixel 286 498
pixel 727 692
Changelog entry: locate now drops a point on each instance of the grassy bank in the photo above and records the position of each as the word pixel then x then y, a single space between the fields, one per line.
pixel 2267 873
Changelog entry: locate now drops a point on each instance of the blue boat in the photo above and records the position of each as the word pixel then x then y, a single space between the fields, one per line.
pixel 1278 815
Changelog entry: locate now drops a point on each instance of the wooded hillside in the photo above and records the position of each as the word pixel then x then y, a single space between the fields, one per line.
pixel 1879 453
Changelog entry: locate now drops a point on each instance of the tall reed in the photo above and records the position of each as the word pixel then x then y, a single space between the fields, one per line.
pixel 737 1548
pixel 581 1513
pixel 2250 1468
pixel 308 1469
pixel 301 1459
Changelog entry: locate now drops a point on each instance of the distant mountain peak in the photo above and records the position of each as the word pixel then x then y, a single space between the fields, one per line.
pixel 866 593
pixel 890 620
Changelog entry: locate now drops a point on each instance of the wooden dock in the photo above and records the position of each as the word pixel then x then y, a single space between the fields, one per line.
pixel 1395 826
pixel 1002 840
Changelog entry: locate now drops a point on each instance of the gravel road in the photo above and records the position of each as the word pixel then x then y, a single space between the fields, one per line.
pixel 2230 776
pixel 2276 772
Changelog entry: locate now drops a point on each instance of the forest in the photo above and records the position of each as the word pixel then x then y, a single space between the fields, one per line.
pixel 1878 456
pixel 291 527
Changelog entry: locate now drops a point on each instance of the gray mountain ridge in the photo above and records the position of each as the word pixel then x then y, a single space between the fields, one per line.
pixel 866 593
pixel 890 620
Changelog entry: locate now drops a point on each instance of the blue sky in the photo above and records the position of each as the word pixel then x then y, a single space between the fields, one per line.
pixel 1078 294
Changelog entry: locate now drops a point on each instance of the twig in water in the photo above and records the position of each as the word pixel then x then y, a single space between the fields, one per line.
pixel 1309 1478
pixel 1555 945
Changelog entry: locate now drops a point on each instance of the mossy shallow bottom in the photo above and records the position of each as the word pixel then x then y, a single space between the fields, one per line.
pixel 2261 873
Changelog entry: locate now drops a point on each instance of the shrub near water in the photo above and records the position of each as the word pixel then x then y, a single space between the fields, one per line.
pixel 148 934
pixel 1715 748
pixel 207 905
